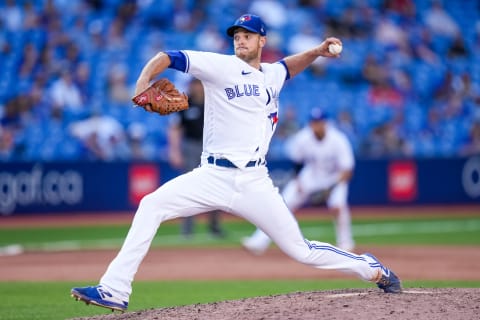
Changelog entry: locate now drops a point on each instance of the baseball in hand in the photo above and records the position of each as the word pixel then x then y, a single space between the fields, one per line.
pixel 335 48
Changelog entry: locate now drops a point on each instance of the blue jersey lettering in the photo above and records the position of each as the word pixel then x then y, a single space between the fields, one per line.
pixel 242 90
pixel 230 93
pixel 239 94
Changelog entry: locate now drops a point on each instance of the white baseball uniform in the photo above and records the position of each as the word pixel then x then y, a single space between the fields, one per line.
pixel 323 163
pixel 241 108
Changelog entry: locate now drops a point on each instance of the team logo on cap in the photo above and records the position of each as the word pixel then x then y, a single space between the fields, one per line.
pixel 245 18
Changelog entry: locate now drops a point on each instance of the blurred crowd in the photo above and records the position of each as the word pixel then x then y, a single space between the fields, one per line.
pixel 407 84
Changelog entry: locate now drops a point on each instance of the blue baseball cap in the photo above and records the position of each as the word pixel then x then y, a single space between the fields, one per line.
pixel 317 114
pixel 249 22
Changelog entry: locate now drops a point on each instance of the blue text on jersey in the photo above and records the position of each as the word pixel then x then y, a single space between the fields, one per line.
pixel 242 90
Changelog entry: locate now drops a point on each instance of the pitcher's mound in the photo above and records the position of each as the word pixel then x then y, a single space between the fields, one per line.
pixel 354 304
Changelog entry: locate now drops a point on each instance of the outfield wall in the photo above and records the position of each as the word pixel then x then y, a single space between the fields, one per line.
pixel 73 187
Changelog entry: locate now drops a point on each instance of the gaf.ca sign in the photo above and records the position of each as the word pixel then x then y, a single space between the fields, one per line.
pixel 39 187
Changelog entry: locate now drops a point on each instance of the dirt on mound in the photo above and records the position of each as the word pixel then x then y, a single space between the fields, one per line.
pixel 352 304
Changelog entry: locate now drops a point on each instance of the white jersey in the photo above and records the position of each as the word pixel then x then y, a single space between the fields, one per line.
pixel 241 105
pixel 323 160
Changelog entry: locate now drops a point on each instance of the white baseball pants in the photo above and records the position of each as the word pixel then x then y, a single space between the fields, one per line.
pixel 248 193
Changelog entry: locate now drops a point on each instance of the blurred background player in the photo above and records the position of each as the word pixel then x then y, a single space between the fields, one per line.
pixel 185 148
pixel 325 163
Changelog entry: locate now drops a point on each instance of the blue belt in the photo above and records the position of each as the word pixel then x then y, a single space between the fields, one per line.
pixel 222 162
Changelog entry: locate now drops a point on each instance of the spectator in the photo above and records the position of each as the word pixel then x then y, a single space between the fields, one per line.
pixel 423 48
pixel 66 95
pixel 16 108
pixel 29 61
pixel 210 39
pixel 102 136
pixel 303 39
pixel 404 8
pixel 78 32
pixel 433 125
pixel 188 18
pixel 306 38
pixel 272 51
pixel 31 18
pixel 390 35
pixel 40 102
pixel 6 144
pixel 354 22
pixel 82 81
pixel 115 39
pixel 457 85
pixel 119 92
pixel 458 49
pixel 445 88
pixel 373 71
pixel 139 147
pixel 345 124
pixel 385 140
pixel 439 21
pixel 12 16
pixel 277 15
pixel 471 146
pixel 384 94
pixel 402 82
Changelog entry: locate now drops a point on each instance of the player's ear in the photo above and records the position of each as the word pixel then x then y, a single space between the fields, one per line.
pixel 263 41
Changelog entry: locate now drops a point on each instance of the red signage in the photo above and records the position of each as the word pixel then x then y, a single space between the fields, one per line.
pixel 402 181
pixel 143 179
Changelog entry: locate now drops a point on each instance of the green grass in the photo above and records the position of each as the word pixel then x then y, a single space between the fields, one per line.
pixel 51 300
pixel 442 230
pixel 419 231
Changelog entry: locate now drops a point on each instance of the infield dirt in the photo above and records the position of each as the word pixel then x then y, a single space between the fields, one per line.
pixel 358 304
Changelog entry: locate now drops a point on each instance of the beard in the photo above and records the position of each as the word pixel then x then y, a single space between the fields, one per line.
pixel 319 135
pixel 247 56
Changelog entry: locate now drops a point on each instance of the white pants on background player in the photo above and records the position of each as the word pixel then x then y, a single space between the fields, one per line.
pixel 295 197
pixel 211 187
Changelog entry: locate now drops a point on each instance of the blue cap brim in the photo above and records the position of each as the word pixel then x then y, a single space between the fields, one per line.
pixel 231 30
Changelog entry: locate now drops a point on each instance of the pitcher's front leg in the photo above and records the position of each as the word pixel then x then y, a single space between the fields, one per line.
pixel 167 202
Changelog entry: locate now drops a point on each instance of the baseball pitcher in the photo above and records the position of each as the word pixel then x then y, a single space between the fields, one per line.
pixel 241 114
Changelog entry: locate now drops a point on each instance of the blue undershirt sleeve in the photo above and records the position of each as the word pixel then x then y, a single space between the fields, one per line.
pixel 178 60
pixel 286 68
